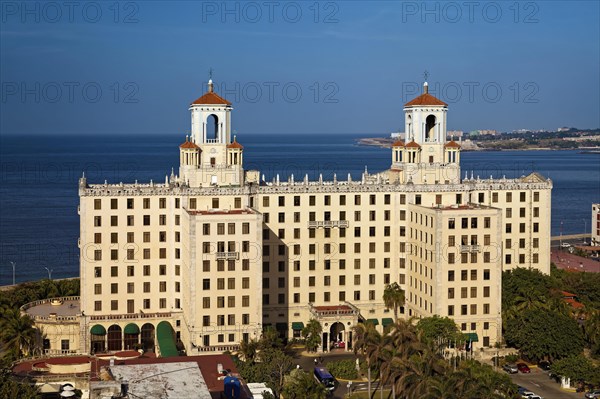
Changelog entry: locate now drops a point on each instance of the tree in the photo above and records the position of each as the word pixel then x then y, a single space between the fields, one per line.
pixel 301 385
pixel 544 334
pixel 312 335
pixel 10 388
pixel 439 331
pixel 277 364
pixel 578 368
pixel 591 329
pixel 249 350
pixel 17 333
pixel 367 341
pixel 393 297
pixel 270 339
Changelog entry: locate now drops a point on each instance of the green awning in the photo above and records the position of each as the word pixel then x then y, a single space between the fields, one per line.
pixel 375 322
pixel 131 328
pixel 166 339
pixel 386 321
pixel 471 337
pixel 297 325
pixel 98 330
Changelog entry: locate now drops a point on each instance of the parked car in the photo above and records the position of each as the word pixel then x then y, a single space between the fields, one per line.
pixel 544 365
pixel 593 394
pixel 523 368
pixel 510 368
pixel 526 394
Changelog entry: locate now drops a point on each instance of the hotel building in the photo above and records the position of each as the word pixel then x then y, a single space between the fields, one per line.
pixel 214 254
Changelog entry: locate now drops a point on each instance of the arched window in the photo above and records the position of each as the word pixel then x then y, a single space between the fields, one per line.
pixel 212 129
pixel 429 128
pixel 114 338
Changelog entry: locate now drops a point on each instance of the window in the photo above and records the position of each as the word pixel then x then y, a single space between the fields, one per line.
pixel 113 203
pixel 129 203
pixel 450 275
pixel 450 293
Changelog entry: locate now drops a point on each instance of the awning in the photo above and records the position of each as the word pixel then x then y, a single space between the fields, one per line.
pixel 131 328
pixel 386 321
pixel 98 330
pixel 375 322
pixel 471 337
pixel 297 325
pixel 166 339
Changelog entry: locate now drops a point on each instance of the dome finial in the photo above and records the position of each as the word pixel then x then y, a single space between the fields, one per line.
pixel 210 82
pixel 425 85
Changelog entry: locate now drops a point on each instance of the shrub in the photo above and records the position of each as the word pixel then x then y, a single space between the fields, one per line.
pixel 345 369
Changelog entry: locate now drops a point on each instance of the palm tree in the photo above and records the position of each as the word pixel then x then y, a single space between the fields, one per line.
pixel 393 297
pixel 17 332
pixel 249 350
pixel 312 334
pixel 368 341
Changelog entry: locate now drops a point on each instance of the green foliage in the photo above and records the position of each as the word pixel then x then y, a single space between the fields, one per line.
pixel 480 381
pixel 10 388
pixel 511 358
pixel 525 287
pixel 270 339
pixel 393 297
pixel 312 335
pixel 17 334
pixel 539 334
pixel 344 369
pixel 585 285
pixel 438 331
pixel 577 368
pixel 271 367
pixel 34 291
pixel 301 385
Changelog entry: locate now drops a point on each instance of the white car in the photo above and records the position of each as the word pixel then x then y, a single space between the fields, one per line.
pixel 565 245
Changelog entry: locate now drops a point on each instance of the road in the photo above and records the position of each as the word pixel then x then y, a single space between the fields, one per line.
pixel 538 382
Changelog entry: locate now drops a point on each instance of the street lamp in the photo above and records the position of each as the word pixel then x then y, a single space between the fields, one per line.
pixel 584 230
pixel 49 273
pixel 13 266
pixel 349 387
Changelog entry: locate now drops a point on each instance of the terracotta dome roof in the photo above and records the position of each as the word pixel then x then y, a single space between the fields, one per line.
pixel 189 144
pixel 235 144
pixel 452 144
pixel 398 143
pixel 425 99
pixel 412 144
pixel 211 98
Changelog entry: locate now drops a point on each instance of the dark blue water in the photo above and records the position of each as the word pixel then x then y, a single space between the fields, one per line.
pixel 39 225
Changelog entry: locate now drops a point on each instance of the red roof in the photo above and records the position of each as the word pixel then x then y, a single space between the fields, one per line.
pixel 412 144
pixel 425 99
pixel 188 144
pixel 211 98
pixel 235 144
pixel 452 144
pixel 398 143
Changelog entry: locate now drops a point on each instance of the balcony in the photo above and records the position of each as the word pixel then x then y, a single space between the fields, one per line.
pixel 465 248
pixel 228 255
pixel 328 224
pixel 475 248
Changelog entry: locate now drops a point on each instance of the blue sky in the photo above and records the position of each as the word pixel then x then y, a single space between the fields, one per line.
pixel 296 67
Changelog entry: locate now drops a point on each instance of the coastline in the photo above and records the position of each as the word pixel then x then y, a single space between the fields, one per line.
pixel 385 142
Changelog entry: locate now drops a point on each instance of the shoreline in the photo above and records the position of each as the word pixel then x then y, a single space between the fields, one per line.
pixel 385 142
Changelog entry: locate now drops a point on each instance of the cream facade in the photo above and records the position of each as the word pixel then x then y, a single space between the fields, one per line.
pixel 219 254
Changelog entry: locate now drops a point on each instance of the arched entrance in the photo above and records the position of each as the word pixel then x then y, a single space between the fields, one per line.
pixel 212 128
pixel 98 339
pixel 336 334
pixel 132 333
pixel 148 337
pixel 115 338
pixel 430 128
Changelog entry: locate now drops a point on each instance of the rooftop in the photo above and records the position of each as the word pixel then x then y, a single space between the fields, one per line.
pixel 60 308
pixel 163 380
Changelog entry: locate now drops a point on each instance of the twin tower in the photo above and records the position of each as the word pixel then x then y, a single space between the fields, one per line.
pixel 209 157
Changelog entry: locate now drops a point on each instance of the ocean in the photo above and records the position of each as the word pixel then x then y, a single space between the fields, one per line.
pixel 39 225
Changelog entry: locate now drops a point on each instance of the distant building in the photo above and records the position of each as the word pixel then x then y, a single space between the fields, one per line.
pixel 595 225
pixel 455 133
pixel 488 132
pixel 398 135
